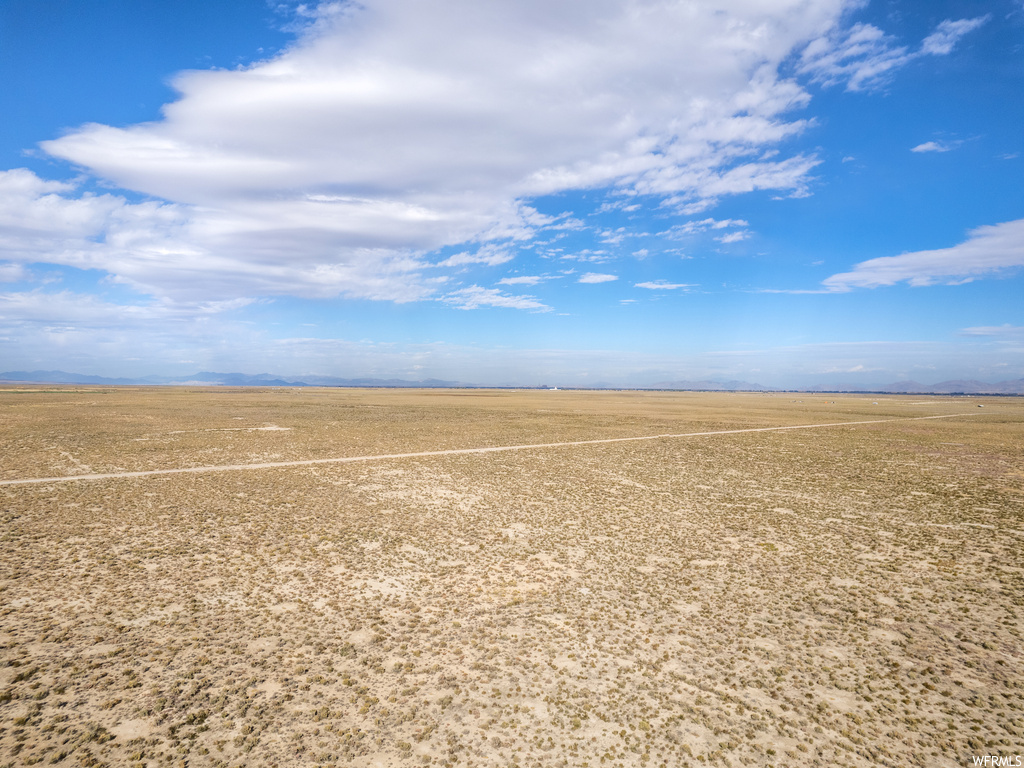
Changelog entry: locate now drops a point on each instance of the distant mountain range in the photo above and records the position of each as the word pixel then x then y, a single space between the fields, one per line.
pixel 211 379
pixel 954 386
pixel 967 386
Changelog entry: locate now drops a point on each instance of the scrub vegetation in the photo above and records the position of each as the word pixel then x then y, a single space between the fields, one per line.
pixel 842 596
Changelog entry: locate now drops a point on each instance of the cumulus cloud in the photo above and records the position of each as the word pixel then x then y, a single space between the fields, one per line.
pixel 475 297
pixel 429 106
pixel 987 251
pixel 864 57
pixel 596 277
pixel 393 128
pixel 38 220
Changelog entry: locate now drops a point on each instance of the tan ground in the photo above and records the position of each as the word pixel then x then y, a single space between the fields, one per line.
pixel 837 596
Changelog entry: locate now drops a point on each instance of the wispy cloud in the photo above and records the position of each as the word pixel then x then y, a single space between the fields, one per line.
pixel 1005 331
pixel 948 34
pixel 84 312
pixel 864 57
pixel 585 255
pixel 475 297
pixel 663 285
pixel 488 255
pixel 523 280
pixel 695 226
pixel 733 237
pixel 987 251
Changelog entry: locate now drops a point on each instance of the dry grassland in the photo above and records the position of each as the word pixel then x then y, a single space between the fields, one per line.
pixel 839 596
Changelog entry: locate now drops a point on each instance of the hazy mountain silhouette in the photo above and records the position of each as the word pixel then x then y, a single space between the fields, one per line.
pixel 211 378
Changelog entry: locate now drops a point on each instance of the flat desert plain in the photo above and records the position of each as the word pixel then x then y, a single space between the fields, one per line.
pixel 842 595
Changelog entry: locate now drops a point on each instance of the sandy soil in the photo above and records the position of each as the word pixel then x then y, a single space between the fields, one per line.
pixel 418 454
pixel 842 596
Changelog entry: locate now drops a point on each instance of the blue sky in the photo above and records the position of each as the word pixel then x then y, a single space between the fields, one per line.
pixel 787 192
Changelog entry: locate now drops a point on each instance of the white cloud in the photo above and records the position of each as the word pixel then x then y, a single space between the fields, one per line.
pixel 475 297
pixel 488 255
pixel 597 277
pixel 703 225
pixel 987 251
pixel 1005 331
pixel 621 204
pixel 662 285
pixel 933 146
pixel 38 221
pixel 733 237
pixel 522 280
pixel 10 273
pixel 864 57
pixel 948 33
pixel 173 250
pixel 393 128
pixel 585 255
pixel 85 312
pixel 614 236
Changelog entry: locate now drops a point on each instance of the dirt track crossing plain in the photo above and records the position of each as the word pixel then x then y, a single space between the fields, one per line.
pixel 840 595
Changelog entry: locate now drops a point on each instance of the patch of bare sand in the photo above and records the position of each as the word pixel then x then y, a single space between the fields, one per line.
pixel 495 609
